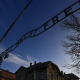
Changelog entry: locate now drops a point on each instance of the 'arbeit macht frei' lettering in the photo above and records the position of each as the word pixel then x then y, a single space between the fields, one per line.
pixel 45 27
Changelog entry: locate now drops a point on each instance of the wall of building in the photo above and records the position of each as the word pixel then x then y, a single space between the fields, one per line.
pixel 21 73
pixel 3 79
pixel 8 75
pixel 36 73
pixel 55 73
pixel 50 69
pixel 44 70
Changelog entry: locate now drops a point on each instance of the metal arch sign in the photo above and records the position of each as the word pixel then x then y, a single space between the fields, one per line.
pixel 50 23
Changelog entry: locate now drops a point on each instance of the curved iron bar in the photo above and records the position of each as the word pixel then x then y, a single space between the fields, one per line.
pixel 14 22
pixel 32 33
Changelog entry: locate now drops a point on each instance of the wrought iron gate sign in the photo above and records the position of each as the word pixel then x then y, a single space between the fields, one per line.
pixel 50 23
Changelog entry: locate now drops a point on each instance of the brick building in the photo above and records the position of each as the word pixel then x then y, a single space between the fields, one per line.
pixel 40 71
pixel 6 75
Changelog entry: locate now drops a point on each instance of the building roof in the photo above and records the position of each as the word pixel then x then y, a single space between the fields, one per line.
pixel 72 76
pixel 40 66
pixel 7 74
pixel 36 66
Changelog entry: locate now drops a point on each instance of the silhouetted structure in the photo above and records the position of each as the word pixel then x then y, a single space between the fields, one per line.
pixel 14 22
pixel 35 32
pixel 72 76
pixel 40 71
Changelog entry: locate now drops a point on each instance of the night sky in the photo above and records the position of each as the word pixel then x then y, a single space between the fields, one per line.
pixel 44 47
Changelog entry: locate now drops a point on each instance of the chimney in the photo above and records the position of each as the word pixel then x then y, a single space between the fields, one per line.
pixel 34 62
pixel 62 72
pixel 7 70
pixel 30 64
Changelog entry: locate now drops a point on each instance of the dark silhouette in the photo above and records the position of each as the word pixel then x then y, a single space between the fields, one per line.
pixel 14 22
pixel 1 60
pixel 72 24
pixel 45 26
pixel 40 71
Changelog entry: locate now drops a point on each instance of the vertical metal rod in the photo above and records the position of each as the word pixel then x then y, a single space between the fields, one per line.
pixel 14 22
